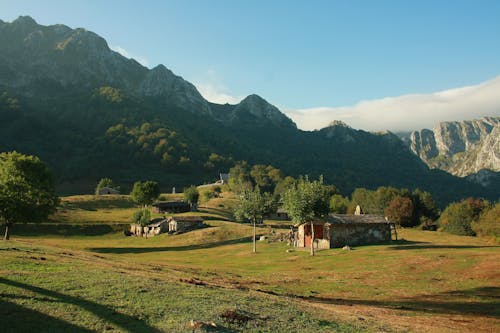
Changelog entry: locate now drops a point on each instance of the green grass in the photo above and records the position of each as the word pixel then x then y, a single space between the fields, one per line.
pixel 45 290
pixel 429 281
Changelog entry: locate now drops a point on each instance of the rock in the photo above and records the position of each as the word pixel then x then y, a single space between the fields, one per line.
pixel 460 148
pixel 346 248
pixel 262 238
pixel 290 250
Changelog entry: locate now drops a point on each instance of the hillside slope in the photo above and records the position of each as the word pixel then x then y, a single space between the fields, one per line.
pixel 89 113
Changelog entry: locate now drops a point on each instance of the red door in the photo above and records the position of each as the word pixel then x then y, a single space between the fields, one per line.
pixel 318 233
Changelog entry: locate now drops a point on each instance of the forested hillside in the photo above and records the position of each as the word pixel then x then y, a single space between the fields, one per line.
pixel 91 113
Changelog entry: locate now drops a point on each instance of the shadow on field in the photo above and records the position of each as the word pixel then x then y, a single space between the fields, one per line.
pixel 126 322
pixel 63 229
pixel 227 215
pixel 16 318
pixel 121 250
pixel 424 246
pixel 486 302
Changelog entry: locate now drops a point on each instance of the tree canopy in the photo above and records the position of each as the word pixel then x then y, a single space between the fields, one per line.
pixel 145 193
pixel 307 201
pixel 191 196
pixel 253 205
pixel 27 190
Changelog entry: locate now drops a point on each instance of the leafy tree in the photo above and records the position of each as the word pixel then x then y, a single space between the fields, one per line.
pixel 253 205
pixel 488 223
pixel 191 196
pixel 27 190
pixel 339 204
pixel 458 217
pixel 307 201
pixel 142 217
pixel 283 185
pixel 239 177
pixel 145 193
pixel 106 182
pixel 400 210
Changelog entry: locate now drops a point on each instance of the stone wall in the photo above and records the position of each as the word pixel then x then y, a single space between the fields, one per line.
pixel 358 234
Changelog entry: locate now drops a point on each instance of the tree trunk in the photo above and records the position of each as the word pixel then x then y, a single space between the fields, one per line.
pixel 7 231
pixel 312 238
pixel 254 236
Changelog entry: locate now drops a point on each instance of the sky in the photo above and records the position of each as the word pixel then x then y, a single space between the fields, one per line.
pixel 385 64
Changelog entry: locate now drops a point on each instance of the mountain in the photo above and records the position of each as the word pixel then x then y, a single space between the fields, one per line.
pixel 461 148
pixel 90 113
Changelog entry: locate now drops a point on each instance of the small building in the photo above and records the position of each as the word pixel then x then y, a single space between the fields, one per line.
pixel 184 223
pixel 155 227
pixel 280 214
pixel 107 191
pixel 171 207
pixel 338 230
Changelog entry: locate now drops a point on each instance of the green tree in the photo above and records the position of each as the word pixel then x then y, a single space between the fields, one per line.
pixel 339 204
pixel 307 201
pixel 239 177
pixel 145 193
pixel 191 196
pixel 459 217
pixel 253 205
pixel 142 217
pixel 106 182
pixel 488 223
pixel 27 190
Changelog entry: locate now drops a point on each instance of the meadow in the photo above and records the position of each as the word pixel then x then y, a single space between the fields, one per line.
pixel 78 272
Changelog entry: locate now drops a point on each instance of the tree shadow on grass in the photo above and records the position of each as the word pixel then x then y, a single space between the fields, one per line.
pixel 16 318
pixel 126 322
pixel 63 229
pixel 122 250
pixel 486 302
pixel 424 246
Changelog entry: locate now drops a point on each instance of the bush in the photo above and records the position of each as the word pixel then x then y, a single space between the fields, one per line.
pixel 142 217
pixel 488 223
pixel 458 218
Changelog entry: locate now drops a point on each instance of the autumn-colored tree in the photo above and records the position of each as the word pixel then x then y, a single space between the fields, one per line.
pixel 400 210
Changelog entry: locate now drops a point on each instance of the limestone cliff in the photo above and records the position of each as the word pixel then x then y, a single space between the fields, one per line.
pixel 461 148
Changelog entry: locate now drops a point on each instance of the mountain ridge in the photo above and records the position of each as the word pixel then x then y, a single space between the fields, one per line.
pixel 92 113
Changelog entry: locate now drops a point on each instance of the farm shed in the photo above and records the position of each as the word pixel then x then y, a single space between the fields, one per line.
pixel 184 223
pixel 171 207
pixel 338 230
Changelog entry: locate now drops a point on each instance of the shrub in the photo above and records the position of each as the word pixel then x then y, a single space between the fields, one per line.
pixel 458 217
pixel 488 223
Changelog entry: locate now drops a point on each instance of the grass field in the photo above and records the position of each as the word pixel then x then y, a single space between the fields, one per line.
pixel 78 279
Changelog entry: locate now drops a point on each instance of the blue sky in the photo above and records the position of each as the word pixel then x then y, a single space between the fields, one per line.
pixel 299 55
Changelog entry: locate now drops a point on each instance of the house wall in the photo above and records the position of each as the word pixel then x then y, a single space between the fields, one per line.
pixel 358 234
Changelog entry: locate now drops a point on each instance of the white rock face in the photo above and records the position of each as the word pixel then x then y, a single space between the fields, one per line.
pixel 461 148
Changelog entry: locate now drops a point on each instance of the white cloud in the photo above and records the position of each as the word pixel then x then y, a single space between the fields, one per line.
pixel 408 112
pixel 142 60
pixel 212 89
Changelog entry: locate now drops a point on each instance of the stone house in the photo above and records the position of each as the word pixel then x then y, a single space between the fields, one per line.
pixel 280 214
pixel 156 227
pixel 171 207
pixel 338 230
pixel 184 223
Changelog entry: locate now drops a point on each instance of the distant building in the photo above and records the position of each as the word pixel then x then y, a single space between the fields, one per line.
pixel 280 214
pixel 184 223
pixel 171 207
pixel 339 230
pixel 156 227
pixel 107 191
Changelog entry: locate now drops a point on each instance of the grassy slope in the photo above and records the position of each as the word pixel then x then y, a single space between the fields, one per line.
pixel 427 282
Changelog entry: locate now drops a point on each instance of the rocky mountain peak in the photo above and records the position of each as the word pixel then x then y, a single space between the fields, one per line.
pixel 461 148
pixel 27 21
pixel 260 109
